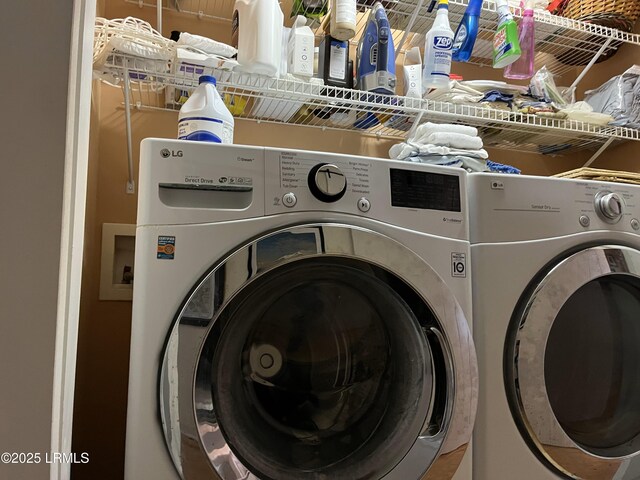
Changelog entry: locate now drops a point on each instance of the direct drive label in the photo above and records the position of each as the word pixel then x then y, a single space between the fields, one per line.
pixel 458 265
pixel 166 247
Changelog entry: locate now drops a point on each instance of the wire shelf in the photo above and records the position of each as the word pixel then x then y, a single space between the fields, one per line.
pixel 161 84
pixel 561 43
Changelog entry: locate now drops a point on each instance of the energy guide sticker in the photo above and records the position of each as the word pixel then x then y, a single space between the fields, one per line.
pixel 166 247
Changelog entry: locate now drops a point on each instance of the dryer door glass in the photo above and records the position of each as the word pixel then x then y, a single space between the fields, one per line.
pixel 321 351
pixel 572 364
pixel 592 366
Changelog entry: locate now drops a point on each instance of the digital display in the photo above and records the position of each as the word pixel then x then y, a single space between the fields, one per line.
pixel 425 190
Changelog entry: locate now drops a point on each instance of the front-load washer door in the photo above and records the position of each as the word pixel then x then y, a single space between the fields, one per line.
pixel 319 352
pixel 572 365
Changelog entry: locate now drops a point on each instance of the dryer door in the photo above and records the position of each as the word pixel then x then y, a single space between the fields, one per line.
pixel 572 365
pixel 319 352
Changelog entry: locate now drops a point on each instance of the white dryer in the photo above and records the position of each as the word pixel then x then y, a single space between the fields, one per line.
pixel 298 315
pixel 556 292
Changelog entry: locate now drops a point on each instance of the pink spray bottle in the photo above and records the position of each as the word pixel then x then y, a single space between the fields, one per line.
pixel 522 68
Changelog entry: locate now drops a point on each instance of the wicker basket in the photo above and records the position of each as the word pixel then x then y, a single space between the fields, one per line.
pixel 619 14
pixel 616 176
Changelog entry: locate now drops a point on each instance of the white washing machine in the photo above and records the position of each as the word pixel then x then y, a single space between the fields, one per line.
pixel 556 278
pixel 298 315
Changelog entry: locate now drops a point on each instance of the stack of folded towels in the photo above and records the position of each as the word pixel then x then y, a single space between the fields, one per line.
pixel 446 144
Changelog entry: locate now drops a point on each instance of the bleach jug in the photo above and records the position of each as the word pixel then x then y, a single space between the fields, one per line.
pixel 256 31
pixel 204 117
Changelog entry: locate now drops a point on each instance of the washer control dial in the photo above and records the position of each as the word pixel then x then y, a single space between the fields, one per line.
pixel 327 182
pixel 610 206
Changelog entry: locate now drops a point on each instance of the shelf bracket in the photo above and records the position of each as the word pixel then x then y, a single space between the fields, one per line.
pixel 159 16
pixel 407 30
pixel 604 46
pixel 599 152
pixel 131 185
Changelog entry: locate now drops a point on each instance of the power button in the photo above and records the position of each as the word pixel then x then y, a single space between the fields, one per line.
pixel 289 200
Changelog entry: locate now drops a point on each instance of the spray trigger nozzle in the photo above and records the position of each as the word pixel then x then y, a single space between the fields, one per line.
pixel 431 5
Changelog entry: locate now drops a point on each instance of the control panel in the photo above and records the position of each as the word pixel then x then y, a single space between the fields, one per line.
pixel 529 208
pixel 417 196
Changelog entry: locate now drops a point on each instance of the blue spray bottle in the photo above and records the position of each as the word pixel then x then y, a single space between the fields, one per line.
pixel 467 32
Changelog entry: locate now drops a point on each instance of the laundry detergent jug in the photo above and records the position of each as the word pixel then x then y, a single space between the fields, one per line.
pixel 256 29
pixel 204 117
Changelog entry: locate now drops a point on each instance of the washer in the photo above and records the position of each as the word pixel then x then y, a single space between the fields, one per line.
pixel 298 315
pixel 556 291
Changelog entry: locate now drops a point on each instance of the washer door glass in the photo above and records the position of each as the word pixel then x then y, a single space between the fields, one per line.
pixel 319 352
pixel 574 364
pixel 319 366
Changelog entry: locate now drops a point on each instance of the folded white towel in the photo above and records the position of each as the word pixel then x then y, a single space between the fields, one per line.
pixel 455 140
pixel 402 151
pixel 428 128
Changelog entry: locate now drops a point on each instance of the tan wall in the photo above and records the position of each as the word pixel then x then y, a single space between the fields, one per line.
pixel 100 412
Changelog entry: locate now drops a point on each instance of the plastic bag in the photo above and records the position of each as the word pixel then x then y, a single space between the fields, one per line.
pixel 619 97
pixel 543 86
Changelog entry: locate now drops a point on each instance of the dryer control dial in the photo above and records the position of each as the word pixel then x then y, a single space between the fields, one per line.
pixel 327 182
pixel 610 206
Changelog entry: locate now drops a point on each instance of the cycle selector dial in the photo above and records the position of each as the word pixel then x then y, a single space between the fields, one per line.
pixel 327 182
pixel 610 206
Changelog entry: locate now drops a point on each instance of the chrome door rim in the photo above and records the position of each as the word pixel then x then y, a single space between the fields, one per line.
pixel 177 379
pixel 524 361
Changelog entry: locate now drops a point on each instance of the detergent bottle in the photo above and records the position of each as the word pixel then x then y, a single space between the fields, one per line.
pixel 204 117
pixel 437 50
pixel 466 33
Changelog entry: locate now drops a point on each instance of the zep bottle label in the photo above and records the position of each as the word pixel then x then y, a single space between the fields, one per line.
pixel 442 55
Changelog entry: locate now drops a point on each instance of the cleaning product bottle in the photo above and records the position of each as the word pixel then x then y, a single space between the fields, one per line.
pixel 343 19
pixel 522 68
pixel 466 33
pixel 506 48
pixel 204 116
pixel 300 50
pixel 437 50
pixel 256 31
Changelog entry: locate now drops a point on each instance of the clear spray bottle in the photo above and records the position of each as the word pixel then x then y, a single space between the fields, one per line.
pixel 522 68
pixel 437 50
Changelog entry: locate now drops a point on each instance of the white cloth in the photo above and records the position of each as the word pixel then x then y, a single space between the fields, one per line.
pixel 428 128
pixel 455 140
pixel 402 151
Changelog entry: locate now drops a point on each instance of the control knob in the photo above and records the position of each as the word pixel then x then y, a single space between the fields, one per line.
pixel 609 205
pixel 327 182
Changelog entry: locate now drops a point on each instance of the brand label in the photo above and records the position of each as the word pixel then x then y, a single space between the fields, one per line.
pixel 166 247
pixel 461 36
pixel 203 129
pixel 337 61
pixel 458 265
pixel 442 43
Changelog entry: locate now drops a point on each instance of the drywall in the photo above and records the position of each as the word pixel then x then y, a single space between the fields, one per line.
pixel 33 136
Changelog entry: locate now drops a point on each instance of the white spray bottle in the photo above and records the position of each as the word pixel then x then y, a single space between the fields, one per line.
pixel 437 50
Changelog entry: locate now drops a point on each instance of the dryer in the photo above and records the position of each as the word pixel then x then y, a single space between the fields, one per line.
pixel 298 315
pixel 556 291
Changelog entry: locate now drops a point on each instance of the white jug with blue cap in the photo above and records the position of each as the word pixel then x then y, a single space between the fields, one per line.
pixel 204 117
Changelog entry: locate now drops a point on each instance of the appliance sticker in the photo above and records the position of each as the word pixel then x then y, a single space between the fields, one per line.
pixel 166 247
pixel 458 265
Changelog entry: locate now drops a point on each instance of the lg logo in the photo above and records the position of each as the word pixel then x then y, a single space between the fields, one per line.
pixel 166 153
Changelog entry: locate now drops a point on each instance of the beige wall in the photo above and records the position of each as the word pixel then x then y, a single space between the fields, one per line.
pixel 100 412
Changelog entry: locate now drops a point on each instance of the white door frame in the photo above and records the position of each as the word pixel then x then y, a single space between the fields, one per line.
pixel 72 232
